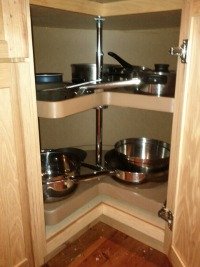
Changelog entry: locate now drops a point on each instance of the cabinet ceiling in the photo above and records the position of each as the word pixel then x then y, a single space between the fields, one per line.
pixel 108 8
pixel 49 17
pixel 106 1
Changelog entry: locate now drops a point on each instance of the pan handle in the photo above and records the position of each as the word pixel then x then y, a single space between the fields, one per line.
pixel 82 84
pixel 128 67
pixel 124 63
pixel 67 184
pixel 134 81
pixel 91 176
pixel 92 166
pixel 73 85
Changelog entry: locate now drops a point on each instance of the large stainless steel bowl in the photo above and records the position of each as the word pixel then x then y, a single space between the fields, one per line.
pixel 150 154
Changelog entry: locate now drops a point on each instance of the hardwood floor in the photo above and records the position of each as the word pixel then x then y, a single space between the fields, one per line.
pixel 104 246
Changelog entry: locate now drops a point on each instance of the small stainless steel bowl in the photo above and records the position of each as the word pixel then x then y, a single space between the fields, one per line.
pixel 150 154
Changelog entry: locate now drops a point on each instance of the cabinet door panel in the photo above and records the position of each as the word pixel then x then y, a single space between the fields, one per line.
pixel 19 138
pixel 13 29
pixel 183 195
pixel 15 235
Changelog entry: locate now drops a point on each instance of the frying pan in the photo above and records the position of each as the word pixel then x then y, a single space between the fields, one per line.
pixel 121 169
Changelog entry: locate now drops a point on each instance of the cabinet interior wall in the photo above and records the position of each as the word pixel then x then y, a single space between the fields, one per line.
pixel 55 49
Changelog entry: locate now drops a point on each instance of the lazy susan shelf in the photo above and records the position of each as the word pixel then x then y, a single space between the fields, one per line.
pixel 60 109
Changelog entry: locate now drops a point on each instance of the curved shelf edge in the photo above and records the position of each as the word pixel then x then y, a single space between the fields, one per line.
pixel 164 104
pixel 60 109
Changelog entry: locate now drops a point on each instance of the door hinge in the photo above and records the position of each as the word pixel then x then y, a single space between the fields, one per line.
pixel 166 215
pixel 180 51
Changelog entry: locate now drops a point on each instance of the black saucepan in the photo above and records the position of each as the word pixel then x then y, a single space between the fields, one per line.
pixel 87 72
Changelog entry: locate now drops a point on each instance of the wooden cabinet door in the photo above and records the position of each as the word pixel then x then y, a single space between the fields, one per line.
pixel 13 29
pixel 22 227
pixel 15 235
pixel 183 242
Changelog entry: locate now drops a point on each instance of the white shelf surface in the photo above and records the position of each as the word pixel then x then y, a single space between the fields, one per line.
pixel 60 109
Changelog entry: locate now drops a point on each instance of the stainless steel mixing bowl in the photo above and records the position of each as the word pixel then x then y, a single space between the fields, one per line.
pixel 150 154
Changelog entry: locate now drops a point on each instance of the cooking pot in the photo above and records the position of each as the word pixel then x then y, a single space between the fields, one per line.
pixel 159 82
pixel 50 87
pixel 160 89
pixel 61 172
pixel 55 162
pixel 87 72
pixel 60 187
pixel 149 154
pixel 57 166
pixel 49 81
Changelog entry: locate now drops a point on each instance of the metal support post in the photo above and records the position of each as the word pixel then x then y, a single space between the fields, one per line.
pixel 99 110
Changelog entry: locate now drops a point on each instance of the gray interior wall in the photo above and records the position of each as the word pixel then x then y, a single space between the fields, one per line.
pixel 56 49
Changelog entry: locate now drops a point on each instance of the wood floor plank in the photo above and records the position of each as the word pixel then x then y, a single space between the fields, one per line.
pixel 103 246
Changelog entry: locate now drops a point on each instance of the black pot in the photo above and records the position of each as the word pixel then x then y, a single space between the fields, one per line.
pixel 87 72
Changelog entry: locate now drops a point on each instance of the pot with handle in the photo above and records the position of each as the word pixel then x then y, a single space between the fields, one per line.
pixel 61 172
pixel 50 87
pixel 153 86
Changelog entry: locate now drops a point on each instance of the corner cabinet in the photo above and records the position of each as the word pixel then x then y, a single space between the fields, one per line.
pixel 22 226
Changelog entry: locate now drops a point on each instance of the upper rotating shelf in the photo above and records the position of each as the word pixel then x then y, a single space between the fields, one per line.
pixel 68 107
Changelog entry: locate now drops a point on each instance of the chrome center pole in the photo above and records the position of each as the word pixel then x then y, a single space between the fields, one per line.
pixel 99 124
pixel 99 110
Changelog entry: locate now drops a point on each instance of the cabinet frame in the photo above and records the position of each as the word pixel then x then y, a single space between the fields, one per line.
pixel 16 48
pixel 67 107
